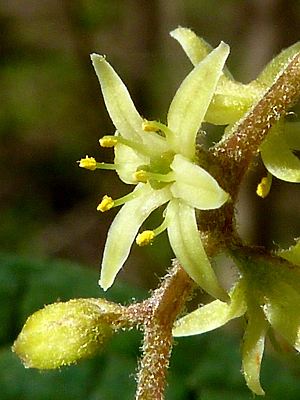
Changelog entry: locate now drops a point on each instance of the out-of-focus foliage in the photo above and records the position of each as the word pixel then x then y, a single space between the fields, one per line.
pixel 205 367
pixel 52 112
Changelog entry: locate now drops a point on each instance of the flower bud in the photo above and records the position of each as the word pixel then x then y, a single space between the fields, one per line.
pixel 63 333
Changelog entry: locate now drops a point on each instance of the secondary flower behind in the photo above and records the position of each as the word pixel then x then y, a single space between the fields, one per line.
pixel 232 100
pixel 268 293
pixel 161 161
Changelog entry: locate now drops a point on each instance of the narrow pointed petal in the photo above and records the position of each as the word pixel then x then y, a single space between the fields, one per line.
pixel 232 99
pixel 212 315
pixel 124 229
pixel 117 99
pixel 283 313
pixel 127 161
pixel 196 186
pixel 278 157
pixel 194 47
pixel 253 348
pixel 186 243
pixel 292 254
pixel 121 108
pixel 190 103
pixel 275 66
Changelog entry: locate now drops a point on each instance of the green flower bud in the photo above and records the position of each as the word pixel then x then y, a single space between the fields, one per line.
pixel 63 333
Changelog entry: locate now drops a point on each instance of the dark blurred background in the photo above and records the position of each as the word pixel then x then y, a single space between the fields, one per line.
pixel 52 114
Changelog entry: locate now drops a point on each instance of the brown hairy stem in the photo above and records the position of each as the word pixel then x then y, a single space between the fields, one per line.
pixel 228 162
pixel 235 151
pixel 156 315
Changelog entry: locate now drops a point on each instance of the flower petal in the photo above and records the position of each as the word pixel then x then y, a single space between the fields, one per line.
pixel 196 186
pixel 232 99
pixel 127 161
pixel 194 47
pixel 124 228
pixel 190 103
pixel 292 254
pixel 283 313
pixel 186 243
pixel 275 66
pixel 121 108
pixel 212 315
pixel 117 99
pixel 277 156
pixel 253 348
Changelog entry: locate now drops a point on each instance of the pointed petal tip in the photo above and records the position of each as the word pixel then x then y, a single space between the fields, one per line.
pixel 254 385
pixel 225 47
pixel 97 57
pixel 297 344
pixel 177 30
pixel 104 285
pixel 259 391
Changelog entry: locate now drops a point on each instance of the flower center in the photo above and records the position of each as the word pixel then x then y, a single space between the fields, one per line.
pixel 158 172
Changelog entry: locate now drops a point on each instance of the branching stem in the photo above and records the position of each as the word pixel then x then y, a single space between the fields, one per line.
pixel 230 160
pixel 156 315
pixel 236 151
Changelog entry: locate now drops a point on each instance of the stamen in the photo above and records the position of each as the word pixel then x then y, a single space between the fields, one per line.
pixel 106 204
pixel 108 141
pixel 146 237
pixel 263 188
pixel 111 141
pixel 144 176
pixel 127 197
pixel 169 177
pixel 88 163
pixel 155 126
pixel 141 176
pixel 108 166
pixel 150 126
pixel 91 164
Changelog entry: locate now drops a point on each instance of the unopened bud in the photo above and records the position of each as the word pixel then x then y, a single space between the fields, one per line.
pixel 63 333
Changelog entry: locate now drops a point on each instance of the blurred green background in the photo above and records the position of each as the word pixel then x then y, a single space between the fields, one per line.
pixel 52 114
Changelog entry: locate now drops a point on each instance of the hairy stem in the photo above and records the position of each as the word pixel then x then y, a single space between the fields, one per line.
pixel 157 315
pixel 236 151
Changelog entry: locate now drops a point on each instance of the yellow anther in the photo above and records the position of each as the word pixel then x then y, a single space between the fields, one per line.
pixel 150 126
pixel 88 163
pixel 141 176
pixel 106 204
pixel 145 238
pixel 263 188
pixel 108 141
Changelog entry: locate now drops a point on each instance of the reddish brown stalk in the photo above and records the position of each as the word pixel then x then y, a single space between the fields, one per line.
pixel 236 151
pixel 230 159
pixel 157 315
